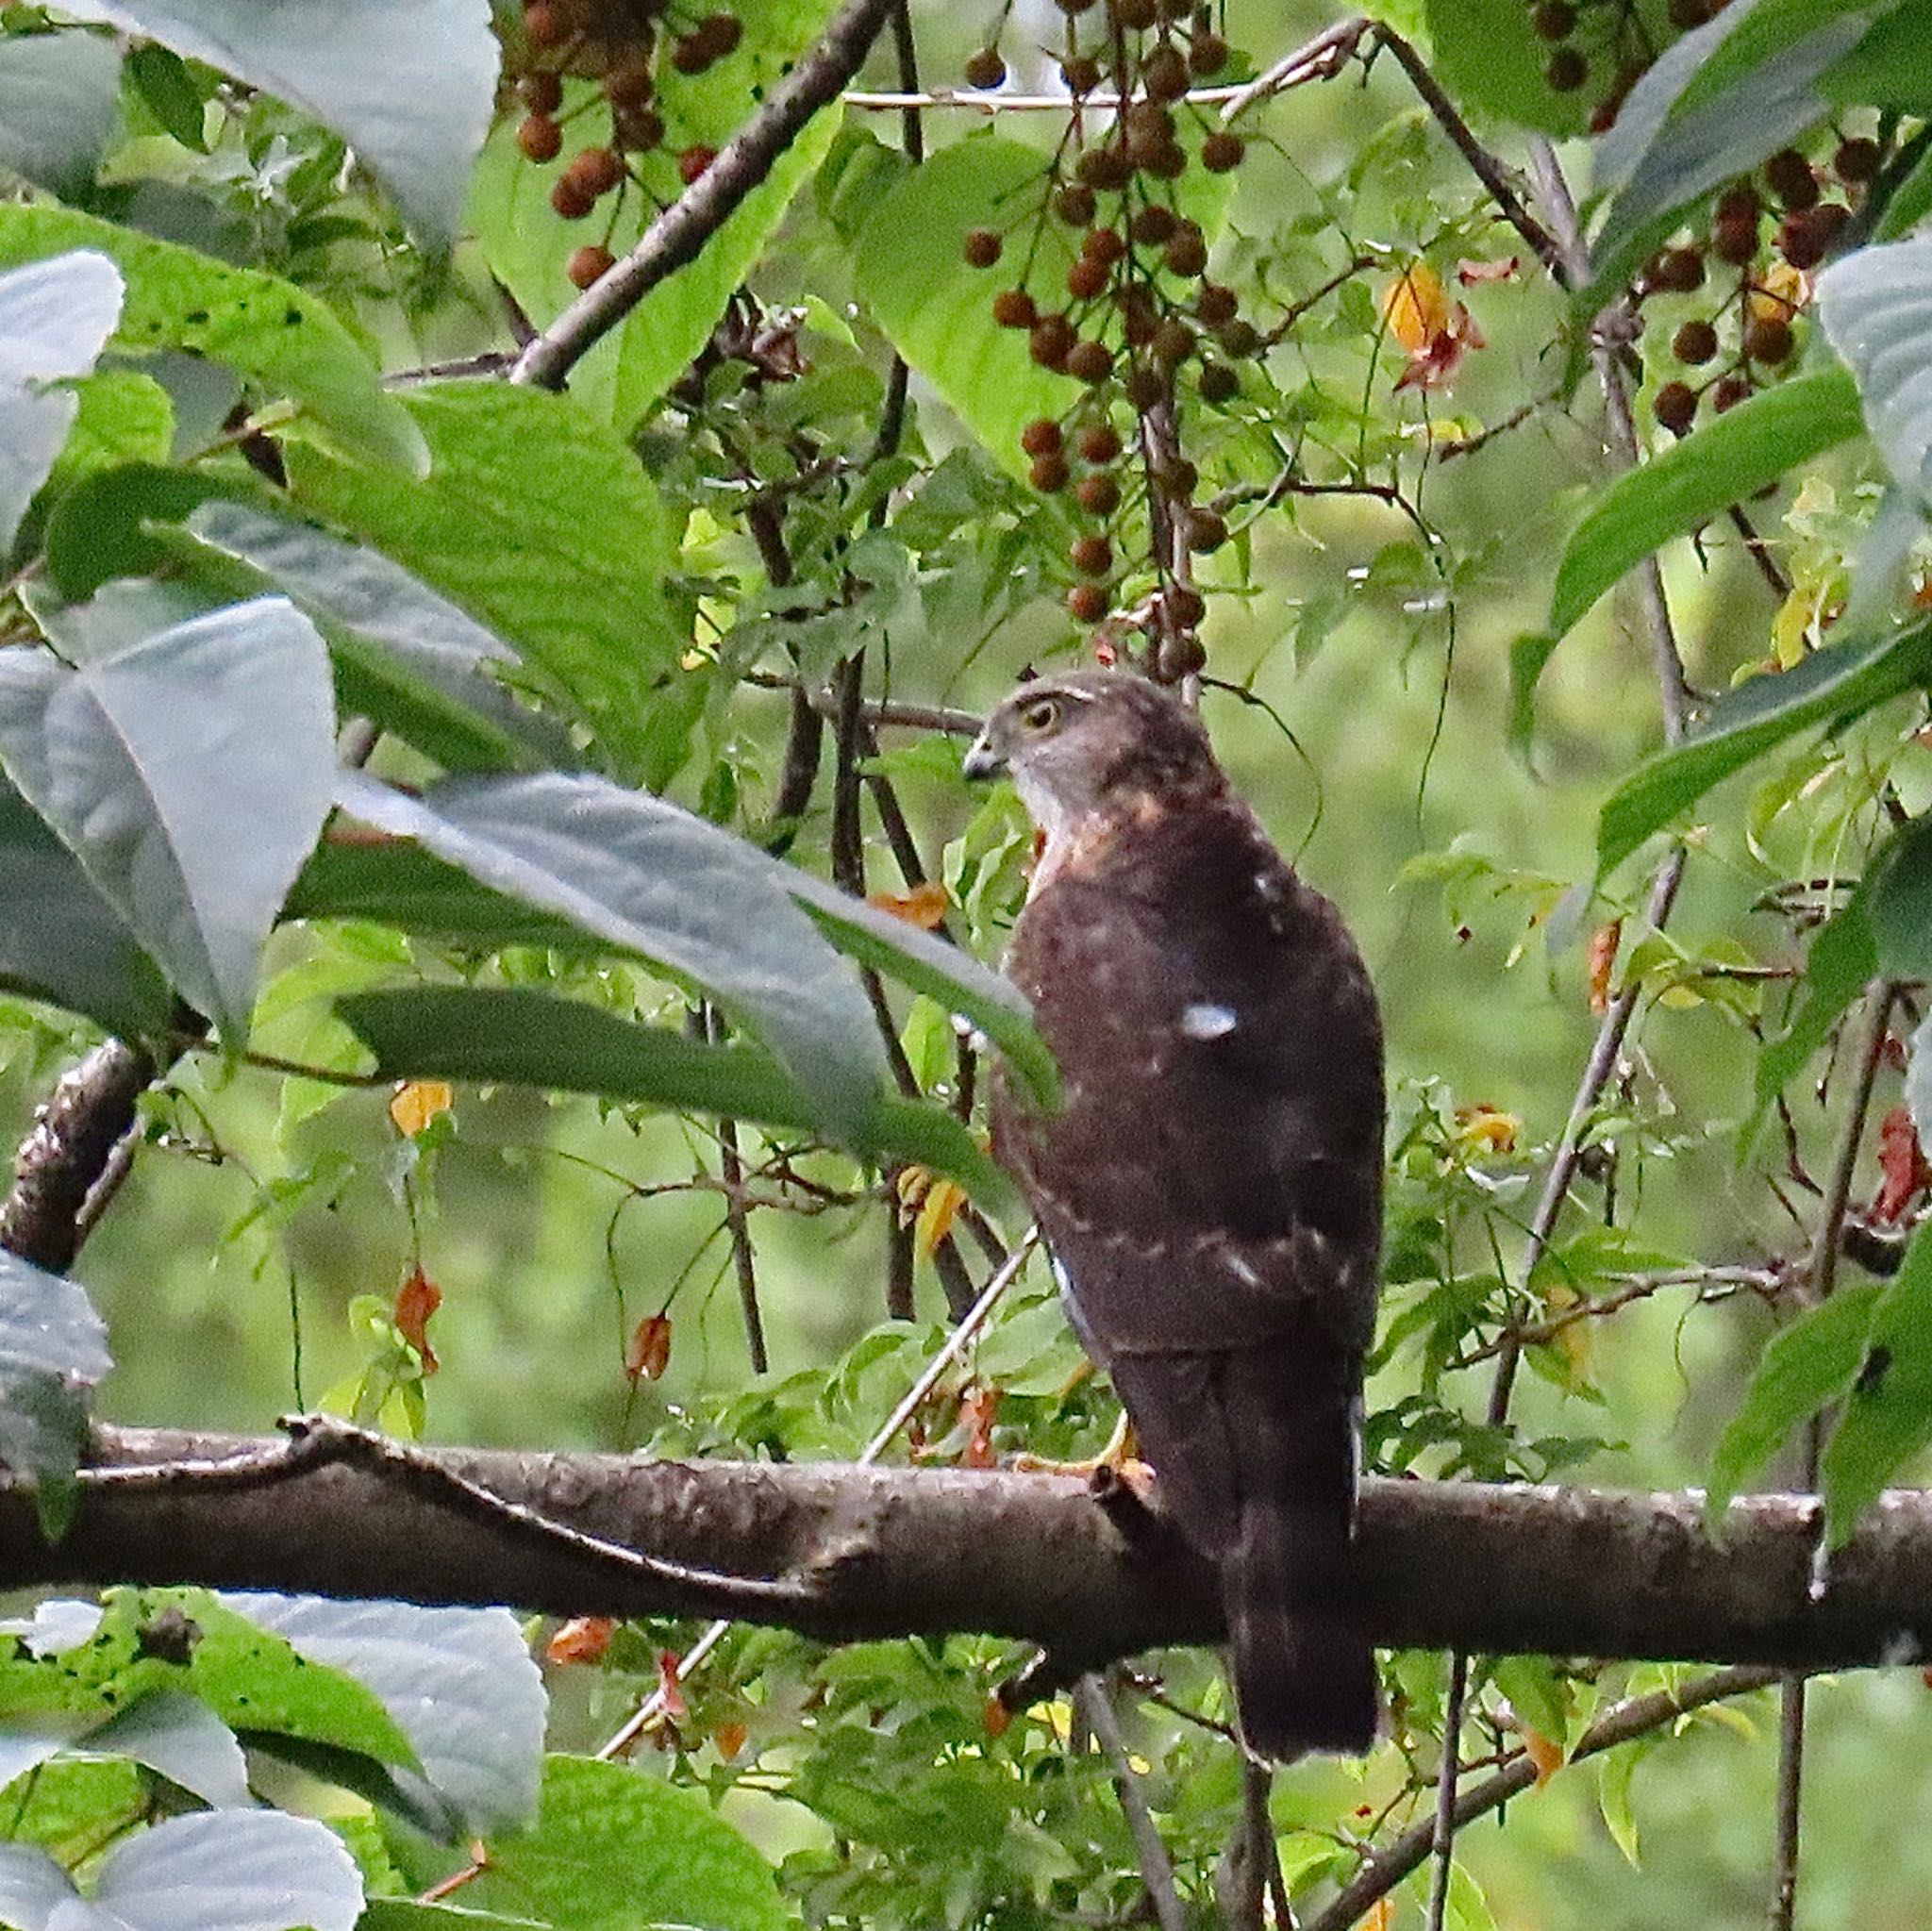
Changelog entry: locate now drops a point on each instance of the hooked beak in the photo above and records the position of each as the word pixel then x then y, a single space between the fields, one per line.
pixel 983 761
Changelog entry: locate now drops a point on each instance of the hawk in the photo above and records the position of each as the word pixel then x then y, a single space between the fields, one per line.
pixel 1210 1185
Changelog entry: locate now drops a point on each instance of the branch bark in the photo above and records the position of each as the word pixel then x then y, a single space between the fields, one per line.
pixel 885 1552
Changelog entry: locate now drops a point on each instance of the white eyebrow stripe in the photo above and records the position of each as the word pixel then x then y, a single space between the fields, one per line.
pixel 1208 1021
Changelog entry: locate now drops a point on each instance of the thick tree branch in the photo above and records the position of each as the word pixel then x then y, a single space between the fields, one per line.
pixel 882 1551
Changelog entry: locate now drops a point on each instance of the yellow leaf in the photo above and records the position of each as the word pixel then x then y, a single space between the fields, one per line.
pixel 1486 1129
pixel 1544 1753
pixel 924 906
pixel 1779 293
pixel 416 1102
pixel 937 1213
pixel 1415 308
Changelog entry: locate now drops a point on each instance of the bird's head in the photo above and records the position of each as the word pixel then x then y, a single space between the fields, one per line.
pixel 1092 744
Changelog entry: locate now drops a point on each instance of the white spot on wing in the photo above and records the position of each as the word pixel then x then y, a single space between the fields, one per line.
pixel 1241 1271
pixel 1205 1021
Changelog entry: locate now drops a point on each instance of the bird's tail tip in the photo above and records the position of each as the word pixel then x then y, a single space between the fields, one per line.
pixel 1318 1691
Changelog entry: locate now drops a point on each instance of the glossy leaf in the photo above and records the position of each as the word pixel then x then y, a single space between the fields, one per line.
pixel 1835 683
pixel 179 1738
pixel 52 1351
pixel 1887 68
pixel 1887 1417
pixel 540 523
pixel 402 885
pixel 1489 56
pixel 410 88
pixel 262 327
pixel 417 664
pixel 1876 307
pixel 60 939
pixel 190 771
pixel 498 1035
pixel 60 100
pixel 54 318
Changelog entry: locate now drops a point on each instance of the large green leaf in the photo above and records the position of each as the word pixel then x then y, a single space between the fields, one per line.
pixel 411 660
pixel 409 88
pixel 55 319
pixel 495 1034
pixel 59 99
pixel 1839 682
pixel 1886 1416
pixel 1842 962
pixel 404 886
pixel 1804 1366
pixel 1876 308
pixel 1492 60
pixel 1887 68
pixel 541 522
pixel 615 1849
pixel 190 771
pixel 53 1350
pixel 60 939
pixel 261 326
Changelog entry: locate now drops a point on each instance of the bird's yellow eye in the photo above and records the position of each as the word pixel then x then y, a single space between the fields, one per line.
pixel 1042 715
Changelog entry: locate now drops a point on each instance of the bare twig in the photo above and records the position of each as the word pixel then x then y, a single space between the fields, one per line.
pixel 1095 1709
pixel 1442 1837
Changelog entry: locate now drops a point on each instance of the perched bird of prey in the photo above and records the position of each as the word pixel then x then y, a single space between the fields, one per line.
pixel 1212 1186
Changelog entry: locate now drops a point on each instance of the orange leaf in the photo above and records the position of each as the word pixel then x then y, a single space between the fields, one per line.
pixel 937 1213
pixel 995 1718
pixel 730 1739
pixel 1603 963
pixel 1415 308
pixel 1902 1162
pixel 649 1353
pixel 1486 1129
pixel 582 1639
pixel 668 1687
pixel 416 1300
pixel 977 1408
pixel 924 906
pixel 1380 1915
pixel 1547 1756
pixel 416 1102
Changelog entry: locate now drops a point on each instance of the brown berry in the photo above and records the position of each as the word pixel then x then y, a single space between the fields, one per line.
pixel 1179 478
pixel 1206 530
pixel 1219 383
pixel 629 86
pixel 1207 54
pixel 1187 606
pixel 1075 6
pixel 1051 340
pixel 546 24
pixel 1073 201
pixel 1215 304
pixel 691 54
pixel 1048 472
pixel 1735 241
pixel 1164 73
pixel 1146 387
pixel 1135 15
pixel 1803 238
pixel 1695 342
pixel 595 170
pixel 1099 442
pixel 1678 270
pixel 1554 20
pixel 694 162
pixel 540 137
pixel 1768 339
pixel 1187 251
pixel 570 201
pixel 1730 392
pixel 1140 317
pixel 1856 159
pixel 1085 278
pixel 722 32
pixel 639 129
pixel 1105 168
pixel 1686 14
pixel 1223 151
pixel 1100 494
pixel 1087 603
pixel 1238 337
pixel 1168 163
pixel 1153 224
pixel 1568 70
pixel 1042 436
pixel 1089 361
pixel 1081 73
pixel 1676 407
pixel 1791 180
pixel 1102 246
pixel 985 68
pixel 590 263
pixel 1739 202
pixel 1180 657
pixel 1090 556
pixel 541 91
pixel 982 248
pixel 1174 342
pixel 1015 308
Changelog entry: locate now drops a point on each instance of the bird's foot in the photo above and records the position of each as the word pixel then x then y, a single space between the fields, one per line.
pixel 1116 1458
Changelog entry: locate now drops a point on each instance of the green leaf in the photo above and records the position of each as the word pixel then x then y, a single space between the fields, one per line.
pixel 60 100
pixel 1842 962
pixel 1804 1366
pixel 99 528
pixel 615 1849
pixel 416 663
pixel 1728 459
pixel 1910 201
pixel 190 771
pixel 1876 307
pixel 1887 68
pixel 402 885
pixel 410 88
pixel 52 1351
pixel 410 1914
pixel 179 1738
pixel 1832 684
pixel 936 309
pixel 1887 1417
pixel 1489 58
pixel 543 525
pixel 260 325
pixel 60 940
pixel 489 1035
pixel 1898 903
pixel 125 417
pixel 1615 1769
pixel 54 318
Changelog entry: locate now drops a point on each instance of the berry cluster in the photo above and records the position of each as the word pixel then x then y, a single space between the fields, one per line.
pixel 618 44
pixel 1141 325
pixel 1763 239
pixel 1605 45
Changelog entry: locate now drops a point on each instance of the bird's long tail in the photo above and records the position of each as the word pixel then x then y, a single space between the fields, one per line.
pixel 1304 1670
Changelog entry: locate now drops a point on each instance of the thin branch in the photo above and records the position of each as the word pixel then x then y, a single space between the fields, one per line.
pixel 1791 1778
pixel 738 1225
pixel 1094 1708
pixel 878 712
pixel 1637 1718
pixel 680 233
pixel 1442 1833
